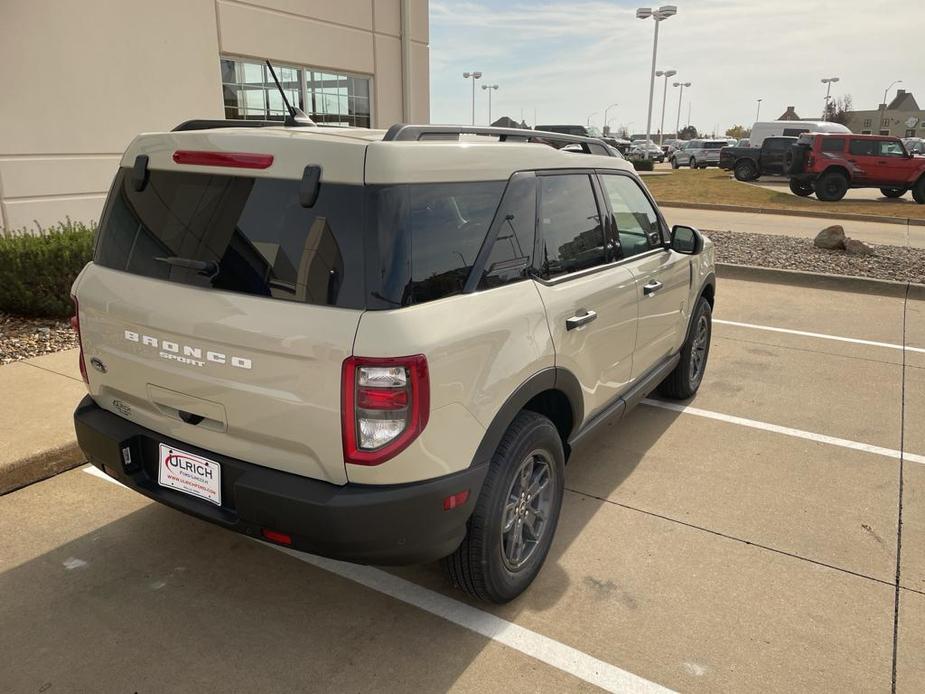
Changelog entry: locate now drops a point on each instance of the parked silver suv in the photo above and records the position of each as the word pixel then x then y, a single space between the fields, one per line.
pixel 698 154
pixel 379 346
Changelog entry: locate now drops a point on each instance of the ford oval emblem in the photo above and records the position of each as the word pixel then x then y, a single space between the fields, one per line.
pixel 98 365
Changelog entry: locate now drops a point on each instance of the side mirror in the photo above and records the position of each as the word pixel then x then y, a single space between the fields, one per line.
pixel 686 240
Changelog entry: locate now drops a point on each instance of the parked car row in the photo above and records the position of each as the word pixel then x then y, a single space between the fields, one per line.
pixel 697 154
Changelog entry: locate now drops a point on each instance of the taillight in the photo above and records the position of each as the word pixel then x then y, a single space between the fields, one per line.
pixel 810 160
pixel 75 324
pixel 235 160
pixel 385 404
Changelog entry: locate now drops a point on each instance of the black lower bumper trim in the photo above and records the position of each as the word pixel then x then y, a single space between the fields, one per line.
pixel 395 524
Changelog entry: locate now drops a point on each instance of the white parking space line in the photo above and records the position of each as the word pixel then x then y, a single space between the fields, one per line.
pixel 823 336
pixel 787 431
pixel 554 653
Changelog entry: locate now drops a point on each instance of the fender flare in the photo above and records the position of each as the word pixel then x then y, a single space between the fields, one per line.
pixel 551 378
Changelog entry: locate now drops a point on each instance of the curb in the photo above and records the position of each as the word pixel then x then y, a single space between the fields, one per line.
pixel 818 280
pixel 835 217
pixel 21 473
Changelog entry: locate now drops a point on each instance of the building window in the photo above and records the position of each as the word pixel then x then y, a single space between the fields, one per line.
pixel 885 123
pixel 867 122
pixel 335 99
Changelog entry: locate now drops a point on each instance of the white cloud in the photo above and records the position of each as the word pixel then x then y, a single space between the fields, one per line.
pixel 571 59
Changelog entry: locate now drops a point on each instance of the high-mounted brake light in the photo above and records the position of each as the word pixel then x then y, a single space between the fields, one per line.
pixel 234 160
pixel 75 324
pixel 385 405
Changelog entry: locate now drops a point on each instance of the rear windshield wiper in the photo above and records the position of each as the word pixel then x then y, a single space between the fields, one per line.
pixel 209 268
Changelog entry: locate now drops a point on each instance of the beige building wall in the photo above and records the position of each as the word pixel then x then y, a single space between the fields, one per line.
pixel 81 79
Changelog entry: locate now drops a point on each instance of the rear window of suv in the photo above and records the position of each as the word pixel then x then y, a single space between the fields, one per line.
pixel 259 238
pixel 715 145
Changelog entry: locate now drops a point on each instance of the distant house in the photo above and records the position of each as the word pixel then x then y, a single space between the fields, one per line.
pixel 790 114
pixel 901 117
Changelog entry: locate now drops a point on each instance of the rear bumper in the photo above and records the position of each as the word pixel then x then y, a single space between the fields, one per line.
pixel 395 524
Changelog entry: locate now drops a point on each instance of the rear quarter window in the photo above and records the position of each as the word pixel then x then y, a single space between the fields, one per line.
pixel 833 144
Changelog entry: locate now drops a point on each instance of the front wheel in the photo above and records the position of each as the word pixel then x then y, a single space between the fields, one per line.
pixel 511 529
pixel 692 163
pixel 893 192
pixel 674 163
pixel 802 189
pixel 684 381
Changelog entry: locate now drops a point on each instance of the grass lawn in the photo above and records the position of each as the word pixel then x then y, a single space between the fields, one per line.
pixel 718 187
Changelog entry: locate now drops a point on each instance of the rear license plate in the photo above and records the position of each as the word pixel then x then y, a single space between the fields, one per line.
pixel 190 474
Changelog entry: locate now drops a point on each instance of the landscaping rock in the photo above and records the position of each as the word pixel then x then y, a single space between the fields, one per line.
pixel 855 247
pixel 831 238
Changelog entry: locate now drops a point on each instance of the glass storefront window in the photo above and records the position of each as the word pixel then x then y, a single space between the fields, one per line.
pixel 334 99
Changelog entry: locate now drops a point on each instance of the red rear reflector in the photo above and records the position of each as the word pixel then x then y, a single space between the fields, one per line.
pixel 381 398
pixel 235 160
pixel 75 324
pixel 274 536
pixel 458 499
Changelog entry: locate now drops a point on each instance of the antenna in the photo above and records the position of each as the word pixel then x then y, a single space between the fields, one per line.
pixel 297 116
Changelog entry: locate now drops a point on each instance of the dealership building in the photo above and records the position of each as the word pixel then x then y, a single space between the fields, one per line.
pixel 121 68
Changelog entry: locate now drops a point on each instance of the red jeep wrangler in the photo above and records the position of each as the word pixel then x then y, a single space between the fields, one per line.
pixel 828 164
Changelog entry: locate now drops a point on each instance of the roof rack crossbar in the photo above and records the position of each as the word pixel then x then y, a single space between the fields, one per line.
pixel 412 133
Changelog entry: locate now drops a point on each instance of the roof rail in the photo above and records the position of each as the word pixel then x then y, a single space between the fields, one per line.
pixel 414 133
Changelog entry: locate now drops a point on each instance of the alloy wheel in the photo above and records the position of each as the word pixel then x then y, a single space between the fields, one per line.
pixel 527 510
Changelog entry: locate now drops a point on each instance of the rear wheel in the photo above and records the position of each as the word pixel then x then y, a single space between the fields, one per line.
pixel 893 192
pixel 745 170
pixel 510 531
pixel 800 188
pixel 684 381
pixel 831 186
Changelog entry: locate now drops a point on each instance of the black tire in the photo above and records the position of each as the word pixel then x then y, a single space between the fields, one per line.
pixel 674 163
pixel 831 186
pixel 692 163
pixel 892 192
pixel 804 190
pixel 684 381
pixel 745 170
pixel 480 565
pixel 918 191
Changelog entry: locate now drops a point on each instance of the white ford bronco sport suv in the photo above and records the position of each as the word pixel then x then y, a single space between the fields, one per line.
pixel 379 346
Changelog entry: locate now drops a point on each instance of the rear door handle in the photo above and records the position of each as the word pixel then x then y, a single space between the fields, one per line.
pixel 579 319
pixel 651 287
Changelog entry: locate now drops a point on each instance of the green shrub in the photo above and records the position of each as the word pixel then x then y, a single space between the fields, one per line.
pixel 643 164
pixel 38 269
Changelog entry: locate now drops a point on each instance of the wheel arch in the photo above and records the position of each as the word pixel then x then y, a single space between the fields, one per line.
pixel 554 393
pixel 836 168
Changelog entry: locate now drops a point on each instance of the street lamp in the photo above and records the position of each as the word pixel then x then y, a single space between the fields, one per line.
pixel 489 87
pixel 588 120
pixel 758 112
pixel 659 15
pixel 606 121
pixel 677 127
pixel 666 74
pixel 474 76
pixel 883 112
pixel 827 81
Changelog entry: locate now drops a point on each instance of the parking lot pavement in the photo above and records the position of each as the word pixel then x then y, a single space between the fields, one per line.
pixel 746 540
pixel 802 227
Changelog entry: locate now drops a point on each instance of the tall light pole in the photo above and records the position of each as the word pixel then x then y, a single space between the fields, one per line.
pixel 677 127
pixel 606 121
pixel 588 120
pixel 474 76
pixel 758 112
pixel 666 74
pixel 883 111
pixel 827 81
pixel 489 87
pixel 659 15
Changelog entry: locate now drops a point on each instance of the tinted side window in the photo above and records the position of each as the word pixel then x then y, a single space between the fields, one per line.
pixel 792 132
pixel 863 147
pixel 637 223
pixel 573 237
pixel 514 233
pixel 425 238
pixel 833 144
pixel 777 145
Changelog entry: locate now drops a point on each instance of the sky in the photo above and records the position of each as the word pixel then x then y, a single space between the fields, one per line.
pixel 569 60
